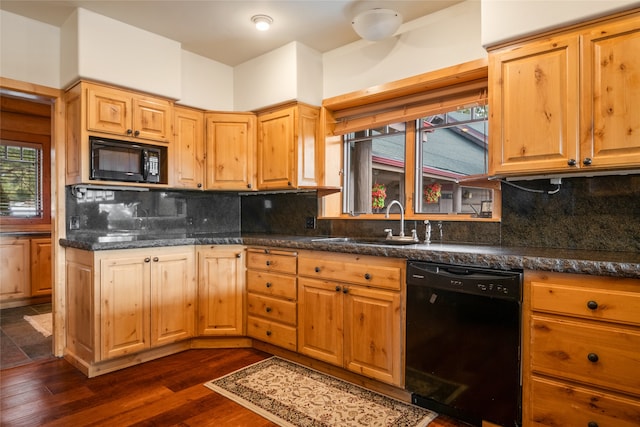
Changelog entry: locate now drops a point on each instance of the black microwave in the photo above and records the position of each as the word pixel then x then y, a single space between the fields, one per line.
pixel 113 160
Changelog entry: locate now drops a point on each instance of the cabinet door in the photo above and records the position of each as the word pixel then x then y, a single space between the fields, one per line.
pixel 276 150
pixel 320 320
pixel 306 135
pixel 221 290
pixel 611 95
pixel 534 107
pixel 14 265
pixel 41 266
pixel 372 327
pixel 108 110
pixel 81 337
pixel 124 304
pixel 152 119
pixel 188 149
pixel 173 294
pixel 231 140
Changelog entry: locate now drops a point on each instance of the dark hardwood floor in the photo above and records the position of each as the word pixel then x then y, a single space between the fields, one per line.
pixel 163 392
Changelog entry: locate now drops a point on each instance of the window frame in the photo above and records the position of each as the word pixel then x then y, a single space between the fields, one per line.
pixel 416 96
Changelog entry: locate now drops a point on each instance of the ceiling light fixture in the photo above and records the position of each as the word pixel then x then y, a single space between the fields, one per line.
pixel 263 22
pixel 377 24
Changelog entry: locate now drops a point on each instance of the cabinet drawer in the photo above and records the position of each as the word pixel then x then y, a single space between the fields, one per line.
pixel 587 352
pixel 272 308
pixel 276 285
pixel 592 303
pixel 272 333
pixel 364 270
pixel 272 260
pixel 558 404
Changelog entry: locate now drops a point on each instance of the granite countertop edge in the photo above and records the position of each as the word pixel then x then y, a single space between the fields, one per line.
pixel 617 264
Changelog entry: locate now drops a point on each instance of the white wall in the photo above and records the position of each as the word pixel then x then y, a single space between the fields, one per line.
pixel 442 39
pixel 505 20
pixel 29 50
pixel 120 54
pixel 206 84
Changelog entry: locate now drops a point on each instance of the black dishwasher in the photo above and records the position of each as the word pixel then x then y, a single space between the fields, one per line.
pixel 463 341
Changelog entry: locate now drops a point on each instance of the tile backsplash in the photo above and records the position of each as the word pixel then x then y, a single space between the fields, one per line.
pixel 599 213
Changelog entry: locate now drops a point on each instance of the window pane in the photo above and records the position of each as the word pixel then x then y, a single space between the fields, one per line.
pixel 20 181
pixel 374 164
pixel 451 147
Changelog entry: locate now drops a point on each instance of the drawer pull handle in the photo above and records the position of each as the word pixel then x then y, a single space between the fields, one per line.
pixel 593 357
pixel 592 305
pixel 592 424
pixel 338 288
pixel 367 276
pixel 317 269
pixel 268 263
pixel 268 309
pixel 268 284
pixel 268 333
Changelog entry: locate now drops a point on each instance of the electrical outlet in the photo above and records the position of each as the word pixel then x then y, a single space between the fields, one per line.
pixel 74 223
pixel 310 222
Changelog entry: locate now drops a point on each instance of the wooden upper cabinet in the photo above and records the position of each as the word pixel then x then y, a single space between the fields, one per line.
pixel 128 114
pixel 611 95
pixel 534 106
pixel 187 150
pixel 287 147
pixel 567 103
pixel 230 151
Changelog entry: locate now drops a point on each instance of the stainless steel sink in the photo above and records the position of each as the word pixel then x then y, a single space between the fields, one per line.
pixel 367 240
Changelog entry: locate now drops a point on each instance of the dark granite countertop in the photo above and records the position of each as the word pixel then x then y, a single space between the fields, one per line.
pixel 618 264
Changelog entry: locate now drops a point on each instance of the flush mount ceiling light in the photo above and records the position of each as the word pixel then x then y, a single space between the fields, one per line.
pixel 263 22
pixel 377 24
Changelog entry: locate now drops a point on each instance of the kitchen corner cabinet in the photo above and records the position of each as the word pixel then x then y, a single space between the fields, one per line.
pixel 351 313
pixel 566 102
pixel 187 150
pixel 221 283
pixel 271 296
pixel 581 350
pixel 230 151
pixel 126 301
pixel 288 147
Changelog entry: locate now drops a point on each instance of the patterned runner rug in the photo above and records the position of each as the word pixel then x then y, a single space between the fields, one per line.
pixel 292 395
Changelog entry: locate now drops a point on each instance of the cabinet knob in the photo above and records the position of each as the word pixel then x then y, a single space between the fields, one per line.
pixel 592 424
pixel 592 305
pixel 367 276
pixel 199 185
pixel 317 269
pixel 571 162
pixel 593 357
pixel 268 263
pixel 289 183
pixel 147 260
pixel 268 284
pixel 345 290
pixel 338 288
pixel 238 255
pixel 268 333
pixel 248 185
pixel 155 259
pixel 129 131
pixel 136 133
pixel 268 309
pixel 587 161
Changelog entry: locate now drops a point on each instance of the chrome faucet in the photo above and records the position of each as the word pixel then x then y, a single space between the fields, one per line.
pixel 395 202
pixel 427 231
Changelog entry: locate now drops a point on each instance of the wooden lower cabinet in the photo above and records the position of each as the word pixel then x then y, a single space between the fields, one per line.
pixel 272 296
pixel 122 302
pixel 25 263
pixel 581 350
pixel 221 286
pixel 355 322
